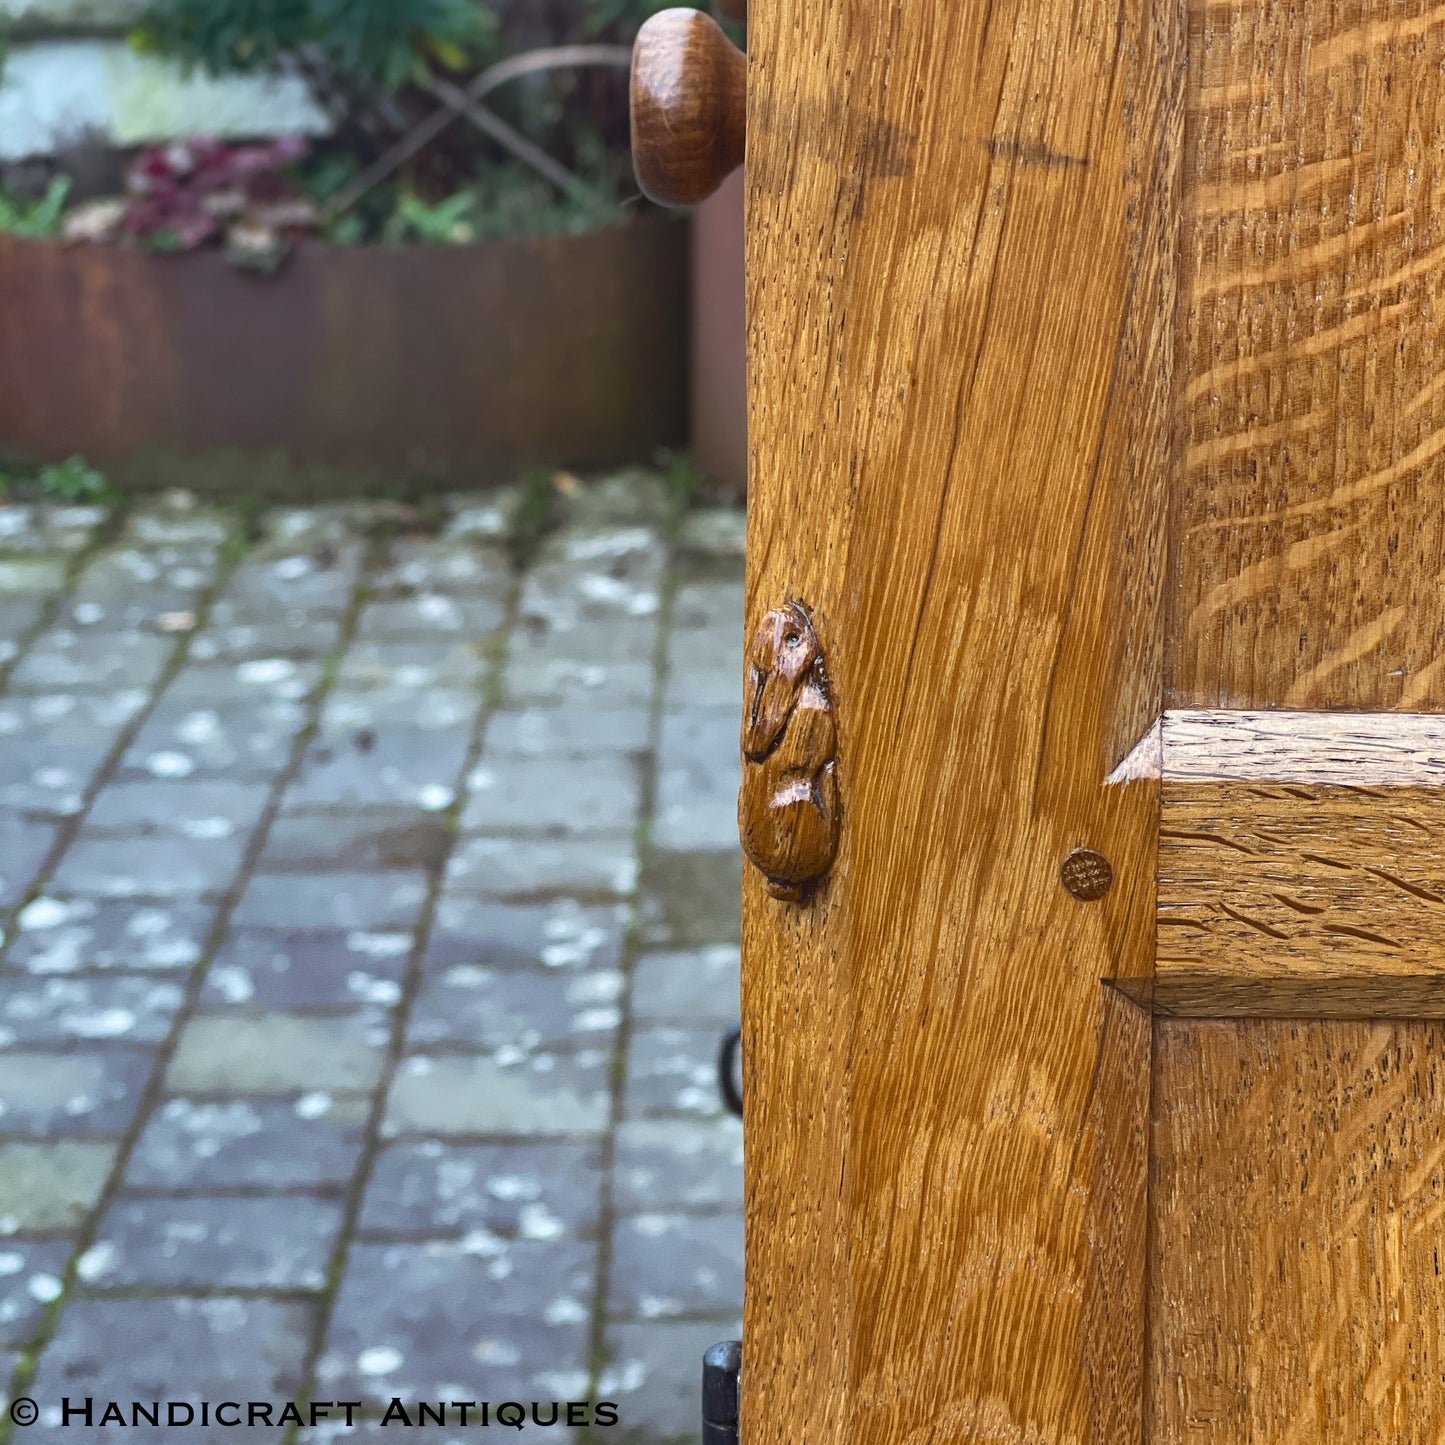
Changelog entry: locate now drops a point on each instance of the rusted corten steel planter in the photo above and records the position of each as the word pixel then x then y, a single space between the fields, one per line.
pixel 452 363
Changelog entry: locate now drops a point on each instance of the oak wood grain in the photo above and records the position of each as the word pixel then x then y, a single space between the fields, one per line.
pixel 1295 846
pixel 961 224
pixel 1308 538
pixel 1298 1194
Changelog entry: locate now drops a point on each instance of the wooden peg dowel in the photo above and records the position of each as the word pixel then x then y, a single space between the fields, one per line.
pixel 689 107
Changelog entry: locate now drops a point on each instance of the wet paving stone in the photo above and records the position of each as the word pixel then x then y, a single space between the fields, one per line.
pixel 133 1349
pixel 30 1281
pixel 460 1428
pixel 664 1164
pixel 176 518
pixel 70 1094
pixel 416 565
pixel 696 986
pixel 705 646
pixel 39 577
pixel 385 839
pixel 575 683
pixel 474 1270
pixel 414 664
pixel 92 661
pixel 403 767
pixel 564 934
pixel 673 1070
pixel 228 1243
pixel 73 719
pixel 286 971
pixel 24 845
pixel 382 902
pixel 428 615
pixel 44 527
pixel 567 732
pixel 698 777
pixel 432 1190
pixel 52 1186
pixel 202 810
pixel 313 583
pixel 595 575
pixel 48 779
pixel 654 1373
pixel 468 1006
pixel 349 713
pixel 675 1265
pixel 275 1054
pixel 540 1094
pixel 68 1010
pixel 66 935
pixel 691 900
pixel 16 619
pixel 476 1319
pixel 195 1144
pixel 520 868
pixel 235 634
pixel 594 796
pixel 257 680
pixel 149 866
pixel 185 738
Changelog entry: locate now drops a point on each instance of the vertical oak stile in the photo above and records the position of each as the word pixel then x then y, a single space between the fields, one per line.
pixel 1294 1289
pixel 962 223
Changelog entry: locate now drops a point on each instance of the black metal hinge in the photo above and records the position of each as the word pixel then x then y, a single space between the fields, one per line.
pixel 721 1374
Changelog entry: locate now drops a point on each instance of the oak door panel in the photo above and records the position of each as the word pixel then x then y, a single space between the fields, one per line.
pixel 1298 1201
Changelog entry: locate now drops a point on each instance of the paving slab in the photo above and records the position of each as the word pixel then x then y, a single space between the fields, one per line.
pixel 73 1011
pixel 472 1007
pixel 392 768
pixel 30 1281
pixel 675 1265
pixel 523 868
pixel 599 795
pixel 51 1186
pixel 69 1093
pixel 431 1189
pixel 278 1054
pixel 67 935
pixel 677 1164
pixel 134 1349
pixel 372 902
pixel 536 945
pixel 149 866
pixel 696 985
pixel 560 934
pixel 196 1144
pixel 92 661
pixel 672 1069
pixel 194 737
pixel 560 732
pixel 285 972
pixel 513 1094
pixel 654 1373
pixel 476 1319
pixel 204 1244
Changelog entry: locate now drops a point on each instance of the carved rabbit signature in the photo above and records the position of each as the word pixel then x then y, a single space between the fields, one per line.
pixel 788 808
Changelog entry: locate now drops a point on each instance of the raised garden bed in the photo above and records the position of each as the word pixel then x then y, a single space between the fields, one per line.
pixel 442 365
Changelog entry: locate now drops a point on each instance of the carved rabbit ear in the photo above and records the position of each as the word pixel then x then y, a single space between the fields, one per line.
pixel 780 661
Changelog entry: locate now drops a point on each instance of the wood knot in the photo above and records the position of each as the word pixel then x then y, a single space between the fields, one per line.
pixel 1086 874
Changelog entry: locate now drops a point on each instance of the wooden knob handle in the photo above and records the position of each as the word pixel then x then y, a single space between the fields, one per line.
pixel 689 107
